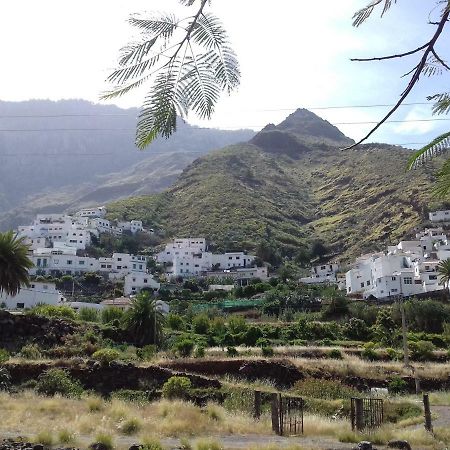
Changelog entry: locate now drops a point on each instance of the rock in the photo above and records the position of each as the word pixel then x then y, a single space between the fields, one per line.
pixel 364 445
pixel 402 445
pixel 38 447
pixel 98 446
pixel 135 447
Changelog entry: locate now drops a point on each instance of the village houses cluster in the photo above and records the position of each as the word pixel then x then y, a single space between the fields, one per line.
pixel 57 241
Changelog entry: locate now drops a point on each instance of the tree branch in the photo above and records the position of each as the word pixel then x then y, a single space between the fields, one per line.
pixel 414 79
pixel 400 55
pixel 439 59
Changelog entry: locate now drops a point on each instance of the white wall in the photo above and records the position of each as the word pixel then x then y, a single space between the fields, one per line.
pixel 439 216
pixel 135 282
pixel 33 295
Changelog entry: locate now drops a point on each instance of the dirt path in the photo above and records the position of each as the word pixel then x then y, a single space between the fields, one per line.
pixel 229 442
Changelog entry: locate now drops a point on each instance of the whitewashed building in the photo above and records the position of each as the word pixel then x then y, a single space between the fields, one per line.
pixel 322 273
pixel 28 297
pixel 136 281
pixel 439 216
pixel 96 211
pixel 181 247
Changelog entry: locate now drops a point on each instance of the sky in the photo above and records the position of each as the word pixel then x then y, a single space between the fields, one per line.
pixel 293 53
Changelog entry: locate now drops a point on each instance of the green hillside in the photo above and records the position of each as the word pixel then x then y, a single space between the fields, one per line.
pixel 292 184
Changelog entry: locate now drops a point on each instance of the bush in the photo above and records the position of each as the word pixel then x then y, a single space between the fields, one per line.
pixel 175 322
pixel 58 381
pixel 200 324
pixel 334 354
pixel 184 347
pixel 147 352
pixel 88 315
pixel 105 439
pixel 112 314
pixel 208 444
pixel 4 356
pixel 252 335
pixel 106 355
pixel 393 354
pixel 30 351
pixel 232 352
pixel 421 350
pixel 154 444
pixel 199 351
pixel 324 389
pixel 130 426
pixel 176 387
pixel 394 412
pixel 357 329
pixel 45 438
pixel 130 395
pixel 369 352
pixel 52 311
pixel 397 386
pixel 267 351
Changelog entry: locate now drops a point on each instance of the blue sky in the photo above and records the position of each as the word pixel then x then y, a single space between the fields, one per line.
pixel 294 53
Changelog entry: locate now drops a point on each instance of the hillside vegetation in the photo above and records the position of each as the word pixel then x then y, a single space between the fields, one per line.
pixel 290 185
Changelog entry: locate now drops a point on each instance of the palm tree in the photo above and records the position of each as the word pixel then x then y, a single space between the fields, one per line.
pixel 14 263
pixel 144 320
pixel 443 269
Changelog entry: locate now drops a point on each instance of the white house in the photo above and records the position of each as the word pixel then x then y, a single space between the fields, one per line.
pixel 28 297
pixel 181 247
pixel 135 282
pixel 322 273
pixel 97 211
pixel 134 226
pixel 439 216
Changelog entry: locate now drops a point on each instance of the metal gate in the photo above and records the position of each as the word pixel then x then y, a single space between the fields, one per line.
pixel 287 415
pixel 366 413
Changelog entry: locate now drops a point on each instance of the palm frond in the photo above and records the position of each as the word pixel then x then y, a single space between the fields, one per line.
pixel 363 14
pixel 433 67
pixel 435 148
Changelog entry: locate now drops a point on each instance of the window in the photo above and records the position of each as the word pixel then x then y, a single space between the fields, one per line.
pixel 81 263
pixel 38 263
pixel 362 285
pixel 45 286
pixel 433 277
pixel 417 282
pixel 407 280
pixel 140 266
pixel 32 286
pixel 394 290
pixel 145 280
pixel 197 265
pixel 393 278
pixel 20 305
pixel 69 262
pixel 230 257
pixel 368 283
pixel 119 267
pixel 238 257
pixel 119 259
pixel 134 266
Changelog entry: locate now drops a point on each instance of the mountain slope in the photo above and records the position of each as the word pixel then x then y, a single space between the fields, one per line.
pixel 292 186
pixel 66 154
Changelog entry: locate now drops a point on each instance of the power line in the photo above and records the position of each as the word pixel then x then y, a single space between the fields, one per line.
pixel 50 116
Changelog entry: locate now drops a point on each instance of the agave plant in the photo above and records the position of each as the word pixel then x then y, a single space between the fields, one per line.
pixel 188 62
pixel 14 263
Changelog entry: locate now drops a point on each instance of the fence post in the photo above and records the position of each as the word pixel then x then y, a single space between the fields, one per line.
pixel 359 414
pixel 257 405
pixel 275 413
pixel 426 407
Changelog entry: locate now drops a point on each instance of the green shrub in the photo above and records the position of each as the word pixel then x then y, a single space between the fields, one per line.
pixel 66 437
pixel 232 352
pixel 357 329
pixel 184 347
pixel 130 426
pixel 324 389
pixel 334 354
pixel 111 315
pixel 369 352
pixel 4 356
pixel 150 443
pixel 106 355
pixel 176 387
pixel 421 350
pixel 208 444
pixel 130 395
pixel 45 438
pixel 30 351
pixel 200 324
pixel 147 352
pixel 267 351
pixel 397 386
pixel 88 315
pixel 52 311
pixel 397 411
pixel 106 440
pixel 58 381
pixel 393 354
pixel 199 351
pixel 175 322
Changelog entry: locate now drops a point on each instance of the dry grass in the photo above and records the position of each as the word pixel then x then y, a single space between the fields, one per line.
pixel 115 418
